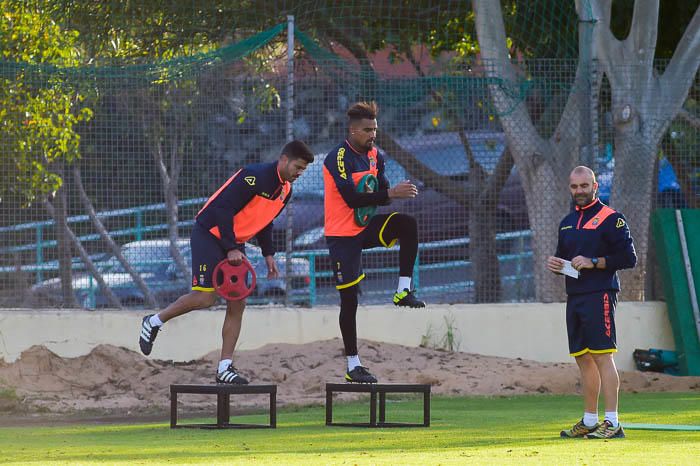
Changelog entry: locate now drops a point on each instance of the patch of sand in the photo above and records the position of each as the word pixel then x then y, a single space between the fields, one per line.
pixel 117 380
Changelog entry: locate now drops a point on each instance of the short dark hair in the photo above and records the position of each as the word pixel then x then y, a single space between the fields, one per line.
pixel 298 150
pixel 362 110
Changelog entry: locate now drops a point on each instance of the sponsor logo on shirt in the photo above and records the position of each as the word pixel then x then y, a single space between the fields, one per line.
pixel 341 163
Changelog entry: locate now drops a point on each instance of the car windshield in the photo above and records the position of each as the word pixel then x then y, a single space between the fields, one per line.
pixel 441 152
pixel 144 258
pixel 444 152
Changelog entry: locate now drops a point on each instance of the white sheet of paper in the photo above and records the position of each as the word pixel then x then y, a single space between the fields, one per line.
pixel 569 270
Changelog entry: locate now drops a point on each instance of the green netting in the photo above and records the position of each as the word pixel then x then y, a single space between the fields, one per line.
pixel 132 108
pixel 186 67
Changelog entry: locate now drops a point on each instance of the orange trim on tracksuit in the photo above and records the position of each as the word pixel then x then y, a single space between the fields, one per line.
pixel 218 191
pixel 340 218
pixel 598 219
pixel 255 216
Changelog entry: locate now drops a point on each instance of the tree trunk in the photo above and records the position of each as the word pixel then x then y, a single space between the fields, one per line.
pixel 643 105
pixel 548 202
pixel 632 196
pixel 65 261
pixel 114 247
pixel 482 196
pixel 169 182
pixel 483 255
pixel 543 164
pixel 70 236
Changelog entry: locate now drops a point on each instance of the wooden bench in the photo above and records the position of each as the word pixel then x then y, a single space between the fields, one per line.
pixel 375 389
pixel 223 394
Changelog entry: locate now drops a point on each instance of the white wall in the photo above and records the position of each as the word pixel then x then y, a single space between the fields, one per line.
pixel 529 330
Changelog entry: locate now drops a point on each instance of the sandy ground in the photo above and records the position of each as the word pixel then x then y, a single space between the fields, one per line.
pixel 120 382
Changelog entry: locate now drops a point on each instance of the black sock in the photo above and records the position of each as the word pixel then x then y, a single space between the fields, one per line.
pixel 347 319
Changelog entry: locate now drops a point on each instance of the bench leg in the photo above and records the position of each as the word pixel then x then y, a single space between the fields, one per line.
pixel 221 403
pixel 329 407
pixel 382 407
pixel 273 409
pixel 173 409
pixel 426 409
pixel 373 408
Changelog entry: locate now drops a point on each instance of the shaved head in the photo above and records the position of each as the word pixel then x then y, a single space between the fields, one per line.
pixel 582 170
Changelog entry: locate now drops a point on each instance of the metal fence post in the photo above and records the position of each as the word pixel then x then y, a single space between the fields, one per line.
pixel 290 137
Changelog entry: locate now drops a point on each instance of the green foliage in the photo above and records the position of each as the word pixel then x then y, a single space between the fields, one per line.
pixel 39 109
pixel 446 338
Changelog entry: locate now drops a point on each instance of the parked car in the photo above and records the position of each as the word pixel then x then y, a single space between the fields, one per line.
pixel 153 261
pixel 439 217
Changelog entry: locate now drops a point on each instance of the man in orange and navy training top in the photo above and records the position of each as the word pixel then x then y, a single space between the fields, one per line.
pixel 343 169
pixel 242 208
pixel 597 241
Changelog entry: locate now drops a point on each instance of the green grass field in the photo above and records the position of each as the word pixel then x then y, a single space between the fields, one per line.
pixel 471 430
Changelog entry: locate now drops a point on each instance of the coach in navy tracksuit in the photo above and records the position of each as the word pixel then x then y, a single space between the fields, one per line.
pixel 597 241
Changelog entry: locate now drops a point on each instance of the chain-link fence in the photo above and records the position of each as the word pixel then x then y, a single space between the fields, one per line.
pixel 114 136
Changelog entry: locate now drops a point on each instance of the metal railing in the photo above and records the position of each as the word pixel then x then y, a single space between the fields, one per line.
pixel 521 253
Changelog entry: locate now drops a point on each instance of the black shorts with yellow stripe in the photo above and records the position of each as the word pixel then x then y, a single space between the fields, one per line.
pixel 346 251
pixel 206 254
pixel 590 322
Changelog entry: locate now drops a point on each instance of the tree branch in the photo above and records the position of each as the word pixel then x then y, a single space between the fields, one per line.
pixel 450 188
pixel 645 27
pixel 89 265
pixel 498 68
pixel 685 61
pixel 114 247
pixel 675 82
pixel 689 118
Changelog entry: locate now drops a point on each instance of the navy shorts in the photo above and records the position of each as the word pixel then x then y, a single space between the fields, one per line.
pixel 206 253
pixel 590 322
pixel 346 251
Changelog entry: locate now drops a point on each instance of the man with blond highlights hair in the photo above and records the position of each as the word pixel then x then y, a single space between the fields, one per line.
pixel 354 180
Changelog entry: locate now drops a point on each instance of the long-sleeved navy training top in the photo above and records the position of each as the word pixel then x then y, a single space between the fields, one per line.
pixel 245 206
pixel 596 230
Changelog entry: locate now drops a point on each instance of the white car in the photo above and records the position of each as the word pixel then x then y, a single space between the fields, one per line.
pixel 153 261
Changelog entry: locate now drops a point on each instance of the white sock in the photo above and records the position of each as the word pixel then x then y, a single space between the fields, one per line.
pixel 404 284
pixel 590 419
pixel 353 362
pixel 223 364
pixel 612 417
pixel 155 321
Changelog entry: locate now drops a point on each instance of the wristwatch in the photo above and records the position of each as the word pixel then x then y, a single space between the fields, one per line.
pixel 594 261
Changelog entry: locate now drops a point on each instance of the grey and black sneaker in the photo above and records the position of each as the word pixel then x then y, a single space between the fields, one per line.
pixel 407 298
pixel 360 375
pixel 231 376
pixel 579 430
pixel 606 430
pixel 148 335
